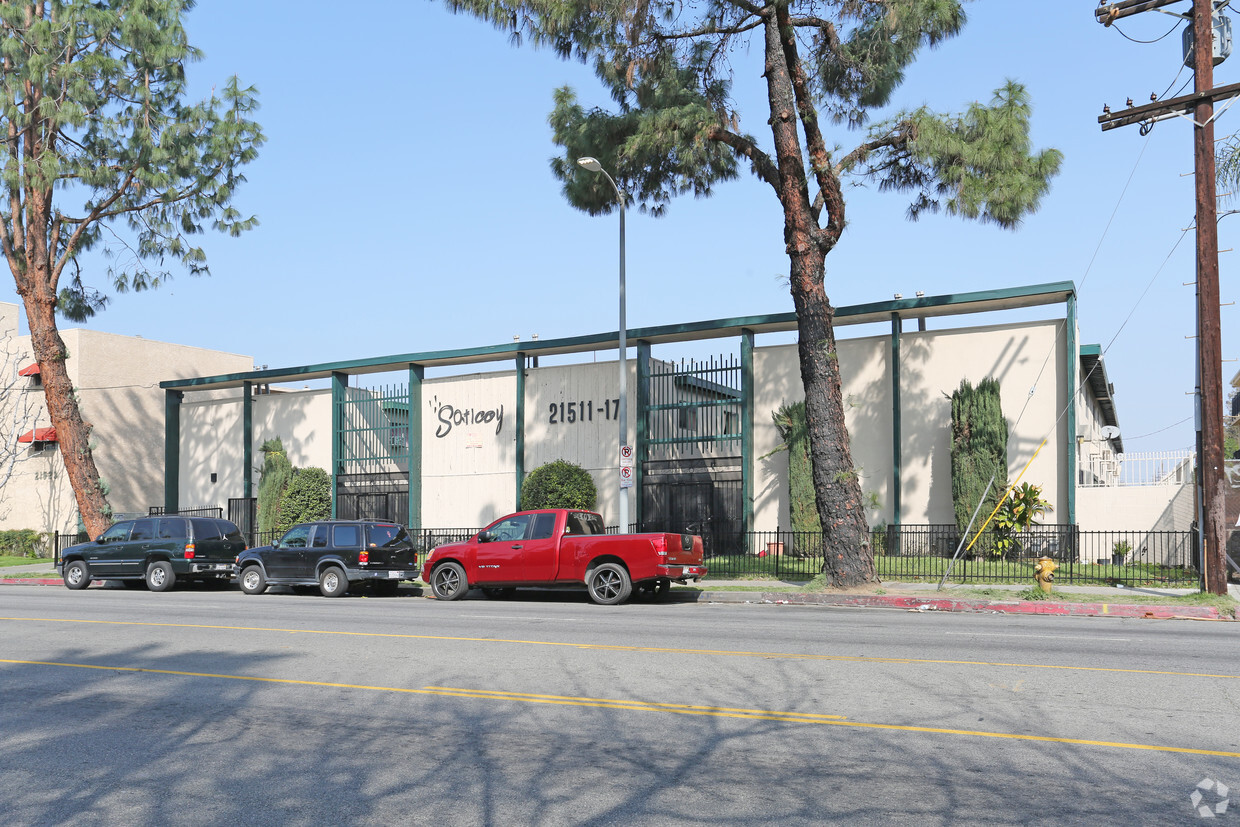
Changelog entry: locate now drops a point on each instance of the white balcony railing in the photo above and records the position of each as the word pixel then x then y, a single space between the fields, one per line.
pixel 1106 470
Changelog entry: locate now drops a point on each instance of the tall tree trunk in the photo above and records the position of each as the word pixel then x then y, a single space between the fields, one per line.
pixel 72 433
pixel 848 559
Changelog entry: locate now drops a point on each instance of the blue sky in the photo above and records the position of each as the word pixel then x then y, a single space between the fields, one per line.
pixel 407 204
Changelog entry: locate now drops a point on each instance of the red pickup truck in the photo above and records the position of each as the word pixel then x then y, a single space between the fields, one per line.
pixel 559 547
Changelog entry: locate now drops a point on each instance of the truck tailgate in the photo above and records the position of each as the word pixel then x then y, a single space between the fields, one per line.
pixel 683 549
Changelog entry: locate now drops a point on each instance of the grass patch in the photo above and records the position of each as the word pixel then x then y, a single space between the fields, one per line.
pixel 10 560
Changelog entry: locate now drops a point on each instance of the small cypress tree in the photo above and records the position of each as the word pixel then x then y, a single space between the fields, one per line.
pixel 276 474
pixel 802 507
pixel 979 448
pixel 308 497
pixel 558 484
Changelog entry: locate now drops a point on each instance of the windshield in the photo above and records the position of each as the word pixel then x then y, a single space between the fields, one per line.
pixel 387 536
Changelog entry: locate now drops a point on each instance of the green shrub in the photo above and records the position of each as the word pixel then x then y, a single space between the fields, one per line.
pixel 558 484
pixel 979 450
pixel 802 504
pixel 308 497
pixel 22 542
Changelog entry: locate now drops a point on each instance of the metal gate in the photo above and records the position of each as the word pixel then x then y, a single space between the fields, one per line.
pixel 692 471
pixel 373 451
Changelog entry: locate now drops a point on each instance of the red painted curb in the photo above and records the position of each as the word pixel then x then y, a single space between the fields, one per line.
pixel 1038 607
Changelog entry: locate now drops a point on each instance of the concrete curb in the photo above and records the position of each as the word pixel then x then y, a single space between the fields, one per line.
pixel 910 603
pixel 921 603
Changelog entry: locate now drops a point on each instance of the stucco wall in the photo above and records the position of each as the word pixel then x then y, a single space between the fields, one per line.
pixel 117 380
pixel 932 365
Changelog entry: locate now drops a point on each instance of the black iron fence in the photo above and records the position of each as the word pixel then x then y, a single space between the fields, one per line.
pixel 920 553
pixel 928 552
pixel 200 511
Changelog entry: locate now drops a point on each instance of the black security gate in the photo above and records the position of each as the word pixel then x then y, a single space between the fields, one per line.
pixel 692 471
pixel 378 496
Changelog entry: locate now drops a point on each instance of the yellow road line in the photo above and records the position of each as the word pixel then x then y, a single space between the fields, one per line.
pixel 643 649
pixel 643 706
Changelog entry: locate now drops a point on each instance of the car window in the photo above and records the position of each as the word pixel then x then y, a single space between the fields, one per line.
pixel 295 537
pixel 143 530
pixel 583 522
pixel 387 536
pixel 348 536
pixel 230 531
pixel 172 528
pixel 511 528
pixel 544 527
pixel 319 537
pixel 117 533
pixel 205 529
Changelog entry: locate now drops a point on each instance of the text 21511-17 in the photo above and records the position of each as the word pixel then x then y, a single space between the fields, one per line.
pixel 571 412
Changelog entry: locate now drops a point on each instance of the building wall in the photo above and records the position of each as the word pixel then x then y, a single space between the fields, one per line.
pixel 117 380
pixel 933 363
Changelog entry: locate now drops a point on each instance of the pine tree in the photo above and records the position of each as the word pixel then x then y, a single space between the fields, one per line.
pixel 100 144
pixel 675 130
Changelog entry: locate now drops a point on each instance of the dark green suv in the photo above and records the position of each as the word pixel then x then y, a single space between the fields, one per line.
pixel 156 550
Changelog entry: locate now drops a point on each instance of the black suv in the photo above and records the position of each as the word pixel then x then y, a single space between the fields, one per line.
pixel 333 555
pixel 158 550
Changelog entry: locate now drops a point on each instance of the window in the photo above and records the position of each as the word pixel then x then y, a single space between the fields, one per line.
pixel 205 529
pixel 687 419
pixel 544 527
pixel 143 530
pixel 512 528
pixel 387 536
pixel 173 528
pixel 348 536
pixel 117 533
pixel 295 537
pixel 319 539
pixel 583 522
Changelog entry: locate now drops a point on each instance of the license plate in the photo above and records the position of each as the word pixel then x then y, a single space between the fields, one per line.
pixel 395 575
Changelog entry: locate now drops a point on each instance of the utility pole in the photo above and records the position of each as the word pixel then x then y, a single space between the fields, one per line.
pixel 1209 339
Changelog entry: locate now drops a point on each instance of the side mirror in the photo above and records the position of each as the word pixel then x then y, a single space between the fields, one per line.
pixel 275 543
pixel 485 537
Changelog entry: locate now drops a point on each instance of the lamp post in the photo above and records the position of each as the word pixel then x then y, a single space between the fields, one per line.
pixel 593 165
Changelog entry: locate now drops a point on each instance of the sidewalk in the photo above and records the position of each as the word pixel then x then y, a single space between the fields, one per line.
pixel 913 597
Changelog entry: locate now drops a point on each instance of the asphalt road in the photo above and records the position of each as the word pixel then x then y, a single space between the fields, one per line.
pixel 213 707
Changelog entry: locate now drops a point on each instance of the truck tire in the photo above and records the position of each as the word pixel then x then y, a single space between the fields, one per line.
pixel 252 580
pixel 609 584
pixel 448 582
pixel 332 582
pixel 77 575
pixel 160 576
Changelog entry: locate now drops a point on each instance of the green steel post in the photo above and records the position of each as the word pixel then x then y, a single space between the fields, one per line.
pixel 1074 359
pixel 247 443
pixel 897 454
pixel 172 449
pixel 417 374
pixel 641 449
pixel 340 386
pixel 520 428
pixel 747 425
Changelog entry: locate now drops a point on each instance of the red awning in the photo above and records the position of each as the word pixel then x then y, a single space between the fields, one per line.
pixel 38 435
pixel 29 370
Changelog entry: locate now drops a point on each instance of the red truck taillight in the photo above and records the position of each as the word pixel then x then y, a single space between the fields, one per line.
pixel 189 551
pixel 364 557
pixel 660 546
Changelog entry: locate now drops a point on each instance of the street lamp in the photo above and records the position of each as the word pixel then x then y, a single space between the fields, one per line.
pixel 593 165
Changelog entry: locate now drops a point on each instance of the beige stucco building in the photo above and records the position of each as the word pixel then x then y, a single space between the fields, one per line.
pixel 117 380
pixel 440 443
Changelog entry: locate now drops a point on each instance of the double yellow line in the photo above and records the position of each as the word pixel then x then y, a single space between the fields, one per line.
pixel 646 706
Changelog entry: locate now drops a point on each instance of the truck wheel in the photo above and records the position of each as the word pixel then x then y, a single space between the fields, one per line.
pixel 160 576
pixel 609 584
pixel 252 580
pixel 332 582
pixel 77 575
pixel 448 582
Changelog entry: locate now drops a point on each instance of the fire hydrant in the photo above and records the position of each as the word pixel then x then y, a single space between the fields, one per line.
pixel 1044 573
